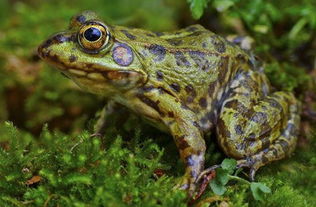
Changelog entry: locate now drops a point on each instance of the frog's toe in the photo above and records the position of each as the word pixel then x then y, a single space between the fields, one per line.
pixel 253 167
pixel 206 172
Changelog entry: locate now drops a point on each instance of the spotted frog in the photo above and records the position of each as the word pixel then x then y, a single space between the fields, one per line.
pixel 188 83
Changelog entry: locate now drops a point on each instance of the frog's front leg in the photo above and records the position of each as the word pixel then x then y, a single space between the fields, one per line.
pixel 110 108
pixel 181 122
pixel 191 146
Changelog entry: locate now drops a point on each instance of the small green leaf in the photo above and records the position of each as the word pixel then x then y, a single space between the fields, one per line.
pixel 258 189
pixel 229 165
pixel 222 176
pixel 217 187
pixel 197 7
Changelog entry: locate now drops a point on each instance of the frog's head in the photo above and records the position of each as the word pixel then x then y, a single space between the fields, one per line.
pixel 90 54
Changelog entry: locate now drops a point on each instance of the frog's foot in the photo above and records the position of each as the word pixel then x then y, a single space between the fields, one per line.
pixel 252 165
pixel 207 172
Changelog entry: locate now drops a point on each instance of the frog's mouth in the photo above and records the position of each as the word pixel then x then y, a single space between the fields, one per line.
pixel 125 79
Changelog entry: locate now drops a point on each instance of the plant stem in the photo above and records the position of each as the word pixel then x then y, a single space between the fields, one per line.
pixel 233 177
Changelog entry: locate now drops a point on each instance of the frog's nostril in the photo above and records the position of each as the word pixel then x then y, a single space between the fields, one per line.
pixel 46 44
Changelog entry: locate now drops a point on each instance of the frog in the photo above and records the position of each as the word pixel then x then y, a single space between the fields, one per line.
pixel 189 83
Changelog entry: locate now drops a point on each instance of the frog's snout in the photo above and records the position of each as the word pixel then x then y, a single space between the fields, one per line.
pixel 44 49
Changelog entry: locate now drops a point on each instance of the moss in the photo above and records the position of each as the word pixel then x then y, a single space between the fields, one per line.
pixel 74 171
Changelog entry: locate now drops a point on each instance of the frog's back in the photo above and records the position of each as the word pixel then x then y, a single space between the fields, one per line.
pixel 193 64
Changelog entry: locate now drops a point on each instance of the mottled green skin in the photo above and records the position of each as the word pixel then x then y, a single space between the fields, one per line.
pixel 186 83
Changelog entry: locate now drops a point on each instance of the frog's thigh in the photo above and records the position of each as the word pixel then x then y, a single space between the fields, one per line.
pixel 262 133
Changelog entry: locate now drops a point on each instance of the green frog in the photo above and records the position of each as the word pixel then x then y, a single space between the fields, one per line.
pixel 187 83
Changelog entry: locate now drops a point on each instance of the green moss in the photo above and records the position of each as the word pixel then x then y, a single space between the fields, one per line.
pixel 74 171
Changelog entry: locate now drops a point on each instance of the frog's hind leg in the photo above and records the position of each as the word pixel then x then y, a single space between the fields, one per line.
pixel 281 147
pixel 255 128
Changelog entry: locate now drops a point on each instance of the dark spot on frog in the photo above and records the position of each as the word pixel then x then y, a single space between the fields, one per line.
pixel 175 87
pixel 219 45
pixel 61 38
pixel 55 58
pixel 128 35
pixel 175 42
pixel 150 103
pixel 181 60
pixel 189 89
pixel 203 102
pixel 265 143
pixel 181 142
pixel 251 136
pixel 81 19
pixel 238 130
pixel 170 114
pixel 159 75
pixel 191 93
pixel 259 117
pixel 148 88
pixel 72 58
pixel 157 50
pixel 241 146
pixel 204 44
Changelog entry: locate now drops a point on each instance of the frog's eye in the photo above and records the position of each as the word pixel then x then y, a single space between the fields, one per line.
pixel 93 37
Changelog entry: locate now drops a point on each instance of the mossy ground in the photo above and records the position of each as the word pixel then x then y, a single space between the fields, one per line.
pixel 59 164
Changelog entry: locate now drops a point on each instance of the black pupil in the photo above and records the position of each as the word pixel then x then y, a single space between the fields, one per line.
pixel 92 34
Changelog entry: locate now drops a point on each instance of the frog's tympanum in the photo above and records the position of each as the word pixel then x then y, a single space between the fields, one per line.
pixel 186 83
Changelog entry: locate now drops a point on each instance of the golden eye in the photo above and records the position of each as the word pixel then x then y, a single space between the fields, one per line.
pixel 93 37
